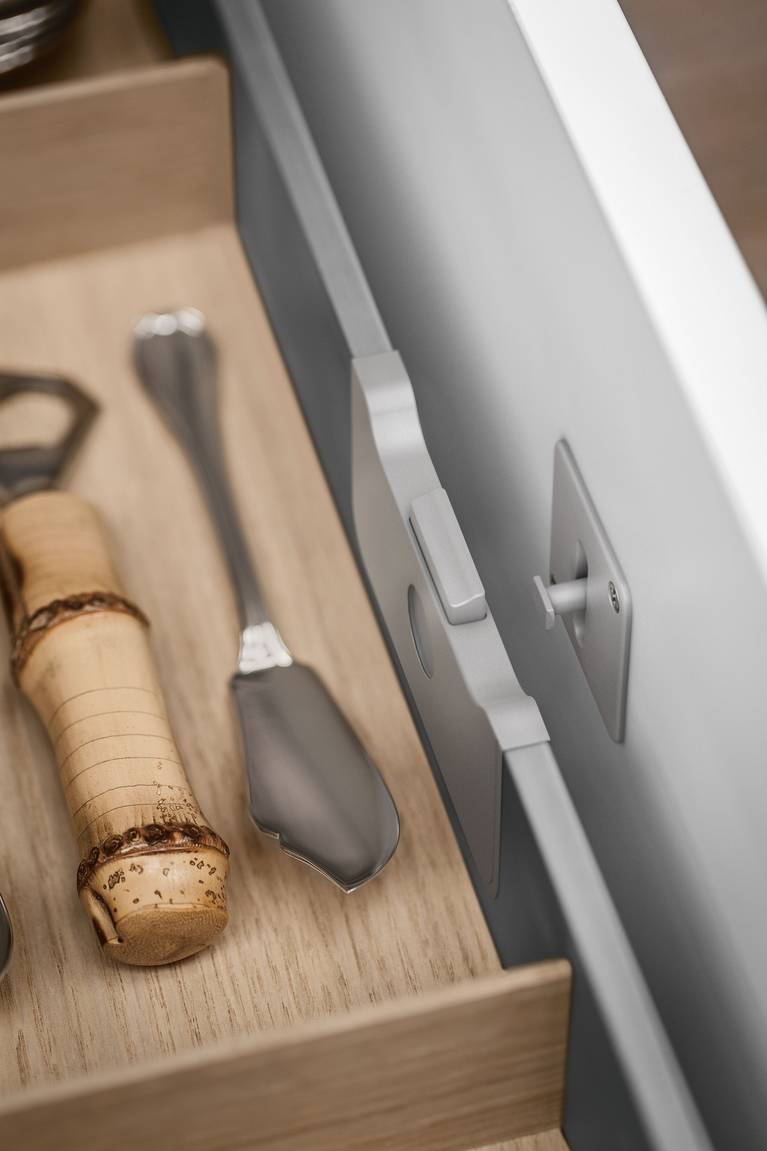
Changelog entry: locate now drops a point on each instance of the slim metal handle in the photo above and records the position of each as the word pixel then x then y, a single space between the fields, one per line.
pixel 176 361
pixel 603 955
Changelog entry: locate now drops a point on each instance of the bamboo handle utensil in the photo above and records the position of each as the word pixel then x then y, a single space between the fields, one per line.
pixel 153 873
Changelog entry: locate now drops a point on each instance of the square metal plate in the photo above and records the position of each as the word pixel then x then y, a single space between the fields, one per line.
pixel 601 635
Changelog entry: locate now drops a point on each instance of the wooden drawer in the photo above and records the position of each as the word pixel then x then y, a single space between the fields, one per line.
pixel 377 1020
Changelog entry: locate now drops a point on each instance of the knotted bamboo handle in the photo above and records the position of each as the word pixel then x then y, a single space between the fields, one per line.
pixel 153 874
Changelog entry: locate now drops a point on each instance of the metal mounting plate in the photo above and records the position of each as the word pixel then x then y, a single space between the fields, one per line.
pixel 601 635
pixel 468 697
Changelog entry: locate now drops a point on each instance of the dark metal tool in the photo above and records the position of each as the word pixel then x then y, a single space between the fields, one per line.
pixel 37 467
pixel 312 784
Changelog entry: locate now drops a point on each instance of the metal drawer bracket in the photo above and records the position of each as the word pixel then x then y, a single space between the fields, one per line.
pixel 433 603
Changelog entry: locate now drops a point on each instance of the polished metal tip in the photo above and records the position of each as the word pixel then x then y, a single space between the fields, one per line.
pixel 190 321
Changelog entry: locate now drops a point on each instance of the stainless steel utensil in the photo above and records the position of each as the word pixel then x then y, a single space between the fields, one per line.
pixel 311 783
pixel 29 28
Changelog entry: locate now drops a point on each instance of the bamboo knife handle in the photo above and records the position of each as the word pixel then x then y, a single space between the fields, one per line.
pixel 153 873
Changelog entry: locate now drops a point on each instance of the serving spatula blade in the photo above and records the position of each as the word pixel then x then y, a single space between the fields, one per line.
pixel 311 782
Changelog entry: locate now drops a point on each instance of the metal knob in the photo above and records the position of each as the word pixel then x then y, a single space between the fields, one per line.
pixel 559 599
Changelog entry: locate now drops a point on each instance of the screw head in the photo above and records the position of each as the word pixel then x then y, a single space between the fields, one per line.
pixel 614 598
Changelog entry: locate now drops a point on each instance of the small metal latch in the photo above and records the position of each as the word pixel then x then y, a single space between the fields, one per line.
pixel 448 558
pixel 559 599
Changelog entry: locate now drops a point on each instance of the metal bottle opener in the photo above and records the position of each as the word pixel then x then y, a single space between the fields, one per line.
pixel 35 467
pixel 81 655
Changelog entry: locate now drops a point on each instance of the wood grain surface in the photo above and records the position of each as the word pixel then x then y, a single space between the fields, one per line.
pixel 436 1073
pixel 552 1140
pixel 135 154
pixel 296 948
pixel 710 60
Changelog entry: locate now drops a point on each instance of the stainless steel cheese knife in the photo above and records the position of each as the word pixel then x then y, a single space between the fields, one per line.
pixel 312 785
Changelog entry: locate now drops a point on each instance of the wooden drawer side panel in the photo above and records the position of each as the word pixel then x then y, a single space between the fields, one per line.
pixel 131 156
pixel 444 1072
